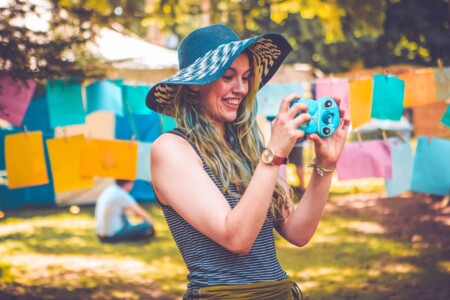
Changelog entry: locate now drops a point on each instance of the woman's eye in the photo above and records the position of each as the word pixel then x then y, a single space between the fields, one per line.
pixel 245 78
pixel 226 77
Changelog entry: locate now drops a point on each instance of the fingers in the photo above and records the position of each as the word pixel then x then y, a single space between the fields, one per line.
pixel 284 106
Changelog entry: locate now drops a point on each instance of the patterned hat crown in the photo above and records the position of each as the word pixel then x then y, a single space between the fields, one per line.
pixel 202 40
pixel 206 53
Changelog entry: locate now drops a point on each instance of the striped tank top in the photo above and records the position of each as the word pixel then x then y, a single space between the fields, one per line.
pixel 211 264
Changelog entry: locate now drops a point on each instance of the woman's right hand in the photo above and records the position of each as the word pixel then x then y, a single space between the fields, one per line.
pixel 285 127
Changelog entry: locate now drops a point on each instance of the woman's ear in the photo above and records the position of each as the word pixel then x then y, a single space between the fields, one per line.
pixel 194 88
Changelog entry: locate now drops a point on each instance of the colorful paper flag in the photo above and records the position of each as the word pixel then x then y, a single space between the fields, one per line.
pixel 143 162
pixel 25 160
pixel 145 128
pixel 360 101
pixel 365 159
pixel 65 159
pixel 270 96
pixel 336 88
pixel 168 123
pixel 431 171
pixel 402 163
pixel 104 158
pixel 134 99
pixel 105 95
pixel 388 95
pixel 442 81
pixel 427 119
pixel 419 87
pixel 65 103
pixel 15 97
pixel 446 117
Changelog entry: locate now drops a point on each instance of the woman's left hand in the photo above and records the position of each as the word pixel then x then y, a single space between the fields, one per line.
pixel 328 150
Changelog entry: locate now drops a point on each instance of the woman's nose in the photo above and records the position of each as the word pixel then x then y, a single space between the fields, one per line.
pixel 240 87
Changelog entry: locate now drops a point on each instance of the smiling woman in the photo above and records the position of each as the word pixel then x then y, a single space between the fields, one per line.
pixel 220 200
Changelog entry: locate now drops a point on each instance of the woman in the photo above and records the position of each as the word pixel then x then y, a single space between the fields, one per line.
pixel 219 189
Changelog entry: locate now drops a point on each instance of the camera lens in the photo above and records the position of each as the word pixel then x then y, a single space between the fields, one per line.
pixel 326 131
pixel 328 103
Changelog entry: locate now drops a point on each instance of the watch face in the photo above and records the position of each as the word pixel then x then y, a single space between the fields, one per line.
pixel 267 156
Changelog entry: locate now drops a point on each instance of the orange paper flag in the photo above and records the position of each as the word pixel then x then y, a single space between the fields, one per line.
pixel 420 87
pixel 109 158
pixel 65 159
pixel 360 101
pixel 25 159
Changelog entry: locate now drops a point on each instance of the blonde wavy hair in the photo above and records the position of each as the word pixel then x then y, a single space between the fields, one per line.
pixel 233 158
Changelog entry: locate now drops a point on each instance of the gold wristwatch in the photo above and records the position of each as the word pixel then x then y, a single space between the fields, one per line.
pixel 269 158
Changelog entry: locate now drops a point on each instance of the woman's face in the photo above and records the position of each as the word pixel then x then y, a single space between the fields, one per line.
pixel 223 96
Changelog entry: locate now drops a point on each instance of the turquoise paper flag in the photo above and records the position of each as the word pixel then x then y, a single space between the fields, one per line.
pixel 134 99
pixel 143 162
pixel 65 104
pixel 105 95
pixel 388 95
pixel 431 171
pixel 168 123
pixel 446 117
pixel 270 96
pixel 402 163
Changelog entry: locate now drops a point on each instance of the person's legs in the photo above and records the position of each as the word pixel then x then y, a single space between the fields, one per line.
pixel 130 232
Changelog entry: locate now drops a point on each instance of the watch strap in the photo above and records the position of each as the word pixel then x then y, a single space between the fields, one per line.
pixel 278 160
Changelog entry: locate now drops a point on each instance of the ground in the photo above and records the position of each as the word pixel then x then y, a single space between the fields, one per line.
pixel 366 247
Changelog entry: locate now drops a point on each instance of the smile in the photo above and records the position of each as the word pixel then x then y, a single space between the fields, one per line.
pixel 232 101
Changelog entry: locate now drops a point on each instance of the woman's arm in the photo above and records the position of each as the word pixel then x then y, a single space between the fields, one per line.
pixel 303 219
pixel 180 181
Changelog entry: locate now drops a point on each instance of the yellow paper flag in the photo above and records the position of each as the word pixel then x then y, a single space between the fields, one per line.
pixel 109 158
pixel 420 87
pixel 360 101
pixel 65 159
pixel 25 160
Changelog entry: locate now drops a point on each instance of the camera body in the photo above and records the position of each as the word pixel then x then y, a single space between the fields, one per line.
pixel 325 116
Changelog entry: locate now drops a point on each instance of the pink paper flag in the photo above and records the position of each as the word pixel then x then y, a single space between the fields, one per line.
pixel 365 159
pixel 336 88
pixel 15 97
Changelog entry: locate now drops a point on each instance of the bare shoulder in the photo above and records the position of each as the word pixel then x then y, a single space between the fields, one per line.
pixel 172 150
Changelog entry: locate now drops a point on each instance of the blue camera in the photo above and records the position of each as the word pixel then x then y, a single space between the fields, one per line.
pixel 325 116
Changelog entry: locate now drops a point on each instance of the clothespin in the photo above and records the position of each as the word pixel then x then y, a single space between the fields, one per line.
pixel 383 133
pixel 358 136
pixel 133 137
pixel 430 138
pixel 386 73
pixel 65 135
pixel 440 64
pixel 25 130
pixel 400 136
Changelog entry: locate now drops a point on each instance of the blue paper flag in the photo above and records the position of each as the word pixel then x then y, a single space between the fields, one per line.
pixel 143 162
pixel 168 123
pixel 388 96
pixel 270 96
pixel 143 191
pixel 37 117
pixel 446 117
pixel 134 99
pixel 402 163
pixel 65 102
pixel 431 172
pixel 105 95
pixel 146 128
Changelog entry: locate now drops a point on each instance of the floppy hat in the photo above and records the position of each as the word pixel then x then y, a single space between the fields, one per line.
pixel 206 53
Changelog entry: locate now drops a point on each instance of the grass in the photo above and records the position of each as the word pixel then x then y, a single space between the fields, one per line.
pixel 53 254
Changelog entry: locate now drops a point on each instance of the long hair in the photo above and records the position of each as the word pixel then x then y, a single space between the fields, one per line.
pixel 232 158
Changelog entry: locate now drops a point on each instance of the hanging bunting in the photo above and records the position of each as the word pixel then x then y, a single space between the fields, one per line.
pixel 360 101
pixel 336 88
pixel 431 171
pixel 103 158
pixel 143 162
pixel 419 87
pixel 65 103
pixel 15 96
pixel 105 95
pixel 402 162
pixel 442 81
pixel 25 159
pixel 134 99
pixel 65 156
pixel 388 95
pixel 365 159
